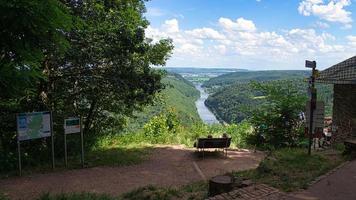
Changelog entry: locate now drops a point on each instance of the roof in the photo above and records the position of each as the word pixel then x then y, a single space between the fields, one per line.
pixel 342 73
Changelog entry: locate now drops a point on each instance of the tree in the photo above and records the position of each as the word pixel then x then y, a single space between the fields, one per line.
pixel 86 58
pixel 107 72
pixel 30 30
pixel 277 121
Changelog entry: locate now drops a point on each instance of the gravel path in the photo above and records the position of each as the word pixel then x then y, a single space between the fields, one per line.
pixel 167 166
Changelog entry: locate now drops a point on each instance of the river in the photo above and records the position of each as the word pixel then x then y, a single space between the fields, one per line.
pixel 205 114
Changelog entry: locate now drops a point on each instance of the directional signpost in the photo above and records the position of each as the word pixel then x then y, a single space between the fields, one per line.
pixel 73 125
pixel 312 103
pixel 33 126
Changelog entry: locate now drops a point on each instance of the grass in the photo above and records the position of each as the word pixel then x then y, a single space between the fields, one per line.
pixel 111 155
pixel 291 168
pixel 194 191
pixel 3 197
pixel 74 196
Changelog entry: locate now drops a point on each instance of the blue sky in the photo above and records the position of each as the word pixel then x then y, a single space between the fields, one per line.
pixel 254 34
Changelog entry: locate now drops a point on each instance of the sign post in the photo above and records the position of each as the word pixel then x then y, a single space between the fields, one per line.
pixel 82 142
pixel 73 125
pixel 312 65
pixel 19 156
pixel 33 126
pixel 52 142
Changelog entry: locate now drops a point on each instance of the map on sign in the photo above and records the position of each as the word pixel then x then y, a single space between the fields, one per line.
pixel 71 125
pixel 33 125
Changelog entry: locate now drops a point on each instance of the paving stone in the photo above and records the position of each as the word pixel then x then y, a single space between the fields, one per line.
pixel 252 192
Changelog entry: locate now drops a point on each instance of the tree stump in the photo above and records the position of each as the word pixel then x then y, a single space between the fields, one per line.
pixel 220 184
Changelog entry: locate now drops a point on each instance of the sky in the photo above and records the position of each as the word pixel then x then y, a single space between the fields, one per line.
pixel 254 34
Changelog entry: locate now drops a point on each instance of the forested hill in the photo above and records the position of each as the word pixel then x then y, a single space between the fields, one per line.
pixel 179 95
pixel 245 77
pixel 233 96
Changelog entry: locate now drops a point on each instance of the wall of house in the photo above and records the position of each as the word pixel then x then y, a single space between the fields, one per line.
pixel 344 112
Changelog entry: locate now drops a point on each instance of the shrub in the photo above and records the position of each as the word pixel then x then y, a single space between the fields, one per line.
pixel 277 123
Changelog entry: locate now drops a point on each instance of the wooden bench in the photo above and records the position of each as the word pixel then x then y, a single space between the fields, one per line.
pixel 213 143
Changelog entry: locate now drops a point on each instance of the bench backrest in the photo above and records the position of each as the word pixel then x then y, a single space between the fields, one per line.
pixel 213 142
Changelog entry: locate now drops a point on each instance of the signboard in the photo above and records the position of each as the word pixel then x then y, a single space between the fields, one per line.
pixel 310 64
pixel 72 125
pixel 33 125
pixel 318 115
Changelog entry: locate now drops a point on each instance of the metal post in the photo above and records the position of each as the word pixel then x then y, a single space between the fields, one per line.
pixel 65 150
pixel 52 141
pixel 312 103
pixel 19 152
pixel 82 142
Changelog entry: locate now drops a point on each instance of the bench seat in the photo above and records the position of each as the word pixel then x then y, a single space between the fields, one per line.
pixel 213 143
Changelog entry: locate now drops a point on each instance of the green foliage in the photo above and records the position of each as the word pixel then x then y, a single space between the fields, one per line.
pixel 161 128
pixel 277 122
pixel 78 58
pixel 178 94
pixel 30 31
pixel 3 197
pixel 151 193
pixel 260 76
pixel 194 191
pixel 290 169
pixel 75 196
pixel 234 103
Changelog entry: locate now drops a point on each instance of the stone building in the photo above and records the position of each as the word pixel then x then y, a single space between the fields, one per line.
pixel 343 77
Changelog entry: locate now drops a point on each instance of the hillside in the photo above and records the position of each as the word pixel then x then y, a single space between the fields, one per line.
pixel 247 76
pixel 179 94
pixel 235 102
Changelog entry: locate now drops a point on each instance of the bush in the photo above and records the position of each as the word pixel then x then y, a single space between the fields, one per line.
pixel 161 128
pixel 277 123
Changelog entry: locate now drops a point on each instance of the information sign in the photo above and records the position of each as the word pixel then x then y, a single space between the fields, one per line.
pixel 72 125
pixel 33 125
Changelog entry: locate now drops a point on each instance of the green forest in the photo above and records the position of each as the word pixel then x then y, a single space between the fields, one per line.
pixel 234 97
pixel 247 76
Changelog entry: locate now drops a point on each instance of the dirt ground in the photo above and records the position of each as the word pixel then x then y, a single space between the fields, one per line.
pixel 167 166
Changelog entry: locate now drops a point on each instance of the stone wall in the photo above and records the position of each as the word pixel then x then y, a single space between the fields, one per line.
pixel 344 112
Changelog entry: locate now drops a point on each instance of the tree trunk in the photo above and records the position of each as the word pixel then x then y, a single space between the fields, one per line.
pixel 220 184
pixel 89 118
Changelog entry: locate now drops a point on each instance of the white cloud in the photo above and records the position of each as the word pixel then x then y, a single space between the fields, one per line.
pixel 241 24
pixel 322 25
pixel 232 45
pixel 352 40
pixel 206 33
pixel 334 11
pixel 171 26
